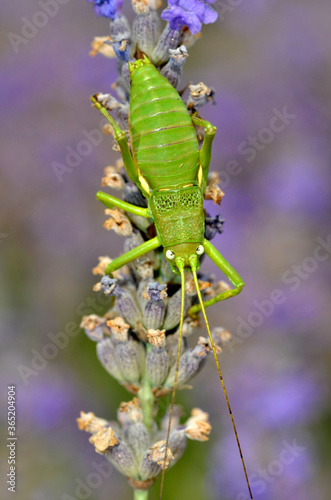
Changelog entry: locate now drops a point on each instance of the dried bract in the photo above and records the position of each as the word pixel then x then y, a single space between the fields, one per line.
pixel 90 423
pixel 102 45
pixel 103 440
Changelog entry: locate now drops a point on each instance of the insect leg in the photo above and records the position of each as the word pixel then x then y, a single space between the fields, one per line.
pixel 120 137
pixel 228 270
pixel 205 151
pixel 133 254
pixel 112 201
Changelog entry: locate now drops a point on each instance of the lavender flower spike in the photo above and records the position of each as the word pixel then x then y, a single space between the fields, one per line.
pixel 137 337
pixel 190 13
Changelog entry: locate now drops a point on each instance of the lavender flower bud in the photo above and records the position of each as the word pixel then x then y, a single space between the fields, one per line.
pixel 118 329
pixel 156 292
pixel 107 443
pixel 169 39
pixel 120 29
pixel 129 359
pixel 172 317
pixel 107 357
pixel 157 361
pixel 213 225
pixel 123 459
pixel 141 292
pixel 154 309
pixel 200 94
pixel 135 431
pixel 132 410
pixel 143 265
pixel 124 302
pixel 108 285
pixel 172 347
pixel 146 27
pixel 137 436
pixel 189 365
pixel 154 314
pixel 177 444
pixel 153 460
pixel 173 70
pixel 93 326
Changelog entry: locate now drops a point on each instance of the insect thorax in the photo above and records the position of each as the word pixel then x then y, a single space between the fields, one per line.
pixel 178 214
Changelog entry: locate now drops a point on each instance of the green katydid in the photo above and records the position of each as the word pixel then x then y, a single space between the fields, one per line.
pixel 171 172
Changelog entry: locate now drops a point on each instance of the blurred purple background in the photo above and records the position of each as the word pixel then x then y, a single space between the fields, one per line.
pixel 264 59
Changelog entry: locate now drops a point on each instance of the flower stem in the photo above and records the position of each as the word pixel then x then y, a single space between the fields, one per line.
pixel 146 396
pixel 140 494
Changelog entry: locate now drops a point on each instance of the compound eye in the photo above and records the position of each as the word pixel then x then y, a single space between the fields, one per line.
pixel 170 254
pixel 200 250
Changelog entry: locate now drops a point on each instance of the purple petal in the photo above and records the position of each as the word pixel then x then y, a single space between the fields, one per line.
pixel 191 13
pixel 210 15
pixel 107 8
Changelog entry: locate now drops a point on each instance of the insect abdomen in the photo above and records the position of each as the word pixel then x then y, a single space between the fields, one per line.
pixel 163 138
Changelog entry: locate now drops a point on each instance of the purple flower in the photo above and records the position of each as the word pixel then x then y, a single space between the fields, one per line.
pixel 107 8
pixel 191 13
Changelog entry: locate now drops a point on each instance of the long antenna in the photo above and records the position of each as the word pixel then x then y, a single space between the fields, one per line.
pixel 182 276
pixel 194 272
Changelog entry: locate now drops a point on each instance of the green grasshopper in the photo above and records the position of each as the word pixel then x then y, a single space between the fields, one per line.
pixel 171 172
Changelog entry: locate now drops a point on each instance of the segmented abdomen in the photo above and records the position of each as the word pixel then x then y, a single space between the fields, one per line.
pixel 163 138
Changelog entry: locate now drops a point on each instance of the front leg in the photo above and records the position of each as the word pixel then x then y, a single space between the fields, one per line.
pixel 111 202
pixel 120 137
pixel 228 270
pixel 133 254
pixel 205 151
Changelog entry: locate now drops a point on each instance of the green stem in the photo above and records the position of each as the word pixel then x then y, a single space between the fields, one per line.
pixel 140 494
pixel 146 396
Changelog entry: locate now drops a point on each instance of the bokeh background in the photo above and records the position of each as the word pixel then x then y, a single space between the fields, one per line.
pixel 259 57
